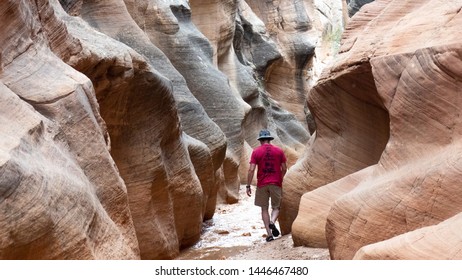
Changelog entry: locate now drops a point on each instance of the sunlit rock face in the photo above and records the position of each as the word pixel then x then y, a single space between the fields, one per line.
pixel 125 122
pixel 401 73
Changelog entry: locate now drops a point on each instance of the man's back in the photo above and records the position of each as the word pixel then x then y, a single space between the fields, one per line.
pixel 269 159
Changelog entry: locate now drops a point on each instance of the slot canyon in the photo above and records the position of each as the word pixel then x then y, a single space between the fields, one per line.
pixel 126 126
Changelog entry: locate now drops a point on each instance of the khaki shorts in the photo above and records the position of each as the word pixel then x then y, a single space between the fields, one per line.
pixel 263 194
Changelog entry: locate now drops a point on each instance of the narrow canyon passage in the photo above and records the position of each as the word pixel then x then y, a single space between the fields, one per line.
pixel 233 228
pixel 236 231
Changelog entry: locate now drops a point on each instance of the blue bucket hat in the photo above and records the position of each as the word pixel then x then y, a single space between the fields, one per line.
pixel 264 134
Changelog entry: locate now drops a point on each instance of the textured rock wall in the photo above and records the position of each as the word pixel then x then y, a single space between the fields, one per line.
pixel 61 195
pixel 287 42
pixel 406 204
pixel 148 144
pixel 118 114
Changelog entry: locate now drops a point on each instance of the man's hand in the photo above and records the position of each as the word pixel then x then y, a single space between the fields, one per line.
pixel 248 190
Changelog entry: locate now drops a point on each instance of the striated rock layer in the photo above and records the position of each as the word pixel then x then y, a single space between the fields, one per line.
pixel 406 205
pixel 124 123
pixel 61 195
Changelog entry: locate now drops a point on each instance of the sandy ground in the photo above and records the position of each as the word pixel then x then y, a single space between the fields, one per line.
pixel 236 232
pixel 281 249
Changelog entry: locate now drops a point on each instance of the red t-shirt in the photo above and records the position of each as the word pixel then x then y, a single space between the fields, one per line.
pixel 268 159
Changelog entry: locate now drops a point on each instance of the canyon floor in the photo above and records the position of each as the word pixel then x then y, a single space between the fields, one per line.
pixel 236 232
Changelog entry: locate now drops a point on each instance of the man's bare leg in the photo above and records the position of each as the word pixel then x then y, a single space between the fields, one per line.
pixel 274 215
pixel 266 219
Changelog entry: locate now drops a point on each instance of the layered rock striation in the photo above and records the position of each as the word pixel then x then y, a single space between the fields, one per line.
pixel 384 167
pixel 61 193
pixel 124 123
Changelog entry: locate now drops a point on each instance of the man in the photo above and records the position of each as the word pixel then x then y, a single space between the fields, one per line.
pixel 271 163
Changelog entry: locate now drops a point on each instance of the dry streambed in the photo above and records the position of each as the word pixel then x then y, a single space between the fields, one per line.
pixel 237 232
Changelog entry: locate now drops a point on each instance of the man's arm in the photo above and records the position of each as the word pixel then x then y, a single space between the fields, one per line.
pixel 250 174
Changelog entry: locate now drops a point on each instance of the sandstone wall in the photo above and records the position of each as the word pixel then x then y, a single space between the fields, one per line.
pixel 61 193
pixel 115 115
pixel 395 99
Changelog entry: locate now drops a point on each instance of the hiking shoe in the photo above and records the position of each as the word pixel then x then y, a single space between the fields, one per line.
pixel 269 238
pixel 274 229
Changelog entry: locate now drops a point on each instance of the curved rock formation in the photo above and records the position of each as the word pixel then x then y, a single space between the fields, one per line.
pixel 402 206
pixel 296 28
pixel 148 145
pixel 422 244
pixel 61 195
pixel 191 53
pixel 308 229
pixel 158 111
pixel 352 131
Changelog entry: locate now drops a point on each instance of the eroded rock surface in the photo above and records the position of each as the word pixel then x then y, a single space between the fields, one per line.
pixel 123 123
pixel 397 80
pixel 61 195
